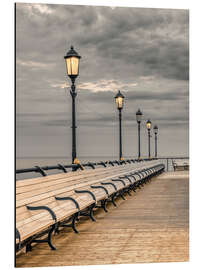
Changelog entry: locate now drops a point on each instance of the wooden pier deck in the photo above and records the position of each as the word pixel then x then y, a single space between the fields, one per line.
pixel 149 226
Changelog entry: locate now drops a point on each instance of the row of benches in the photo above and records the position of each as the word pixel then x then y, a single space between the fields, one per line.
pixel 44 204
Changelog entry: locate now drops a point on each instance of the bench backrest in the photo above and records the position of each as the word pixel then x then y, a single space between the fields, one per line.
pixel 57 184
pixel 42 191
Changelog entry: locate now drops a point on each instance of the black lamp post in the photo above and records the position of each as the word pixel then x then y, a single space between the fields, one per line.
pixel 139 119
pixel 155 133
pixel 119 98
pixel 149 124
pixel 72 59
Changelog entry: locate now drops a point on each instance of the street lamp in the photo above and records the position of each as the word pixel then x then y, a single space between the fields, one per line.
pixel 119 98
pixel 155 133
pixel 139 119
pixel 149 125
pixel 72 59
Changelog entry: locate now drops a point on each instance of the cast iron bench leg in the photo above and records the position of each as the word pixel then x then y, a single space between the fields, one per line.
pixel 103 205
pixel 92 213
pixel 75 218
pixel 28 247
pixel 122 195
pixel 49 239
pixel 128 191
pixel 113 199
pixel 89 212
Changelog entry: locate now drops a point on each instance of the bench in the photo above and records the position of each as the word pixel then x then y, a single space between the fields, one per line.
pixel 180 165
pixel 45 203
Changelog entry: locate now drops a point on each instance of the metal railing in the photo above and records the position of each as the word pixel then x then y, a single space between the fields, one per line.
pixel 42 169
pixel 169 161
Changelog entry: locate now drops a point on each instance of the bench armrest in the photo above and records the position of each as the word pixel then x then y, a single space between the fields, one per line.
pixel 43 207
pixel 107 193
pixel 126 176
pixel 70 199
pixel 119 180
pixel 109 183
pixel 86 191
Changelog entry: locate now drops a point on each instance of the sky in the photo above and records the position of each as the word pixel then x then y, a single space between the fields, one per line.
pixel 142 52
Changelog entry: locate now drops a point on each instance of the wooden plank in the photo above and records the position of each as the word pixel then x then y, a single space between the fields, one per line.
pixel 64 178
pixel 33 197
pixel 43 194
pixel 32 181
pixel 33 228
pixel 36 180
pixel 150 226
pixel 58 183
pixel 46 194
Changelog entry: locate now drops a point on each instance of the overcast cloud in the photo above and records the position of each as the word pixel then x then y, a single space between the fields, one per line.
pixel 142 52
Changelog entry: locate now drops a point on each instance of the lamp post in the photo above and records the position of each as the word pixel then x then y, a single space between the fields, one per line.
pixel 119 98
pixel 139 119
pixel 149 124
pixel 155 133
pixel 72 59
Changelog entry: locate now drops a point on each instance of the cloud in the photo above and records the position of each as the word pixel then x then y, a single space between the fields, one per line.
pixel 105 85
pixel 60 85
pixel 100 86
pixel 43 9
pixel 37 9
pixel 32 64
pixel 142 52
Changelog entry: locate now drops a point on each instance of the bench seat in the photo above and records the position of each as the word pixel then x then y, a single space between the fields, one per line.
pixel 45 203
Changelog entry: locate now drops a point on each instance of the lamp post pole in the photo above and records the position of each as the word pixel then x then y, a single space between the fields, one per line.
pixel 72 59
pixel 155 133
pixel 119 98
pixel 155 145
pixel 149 124
pixel 73 95
pixel 139 118
pixel 120 134
pixel 149 142
pixel 139 154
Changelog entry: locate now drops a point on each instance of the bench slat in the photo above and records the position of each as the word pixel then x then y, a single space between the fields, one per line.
pixel 42 191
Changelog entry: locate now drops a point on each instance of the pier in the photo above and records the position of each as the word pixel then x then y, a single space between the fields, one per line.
pixel 101 127
pixel 151 225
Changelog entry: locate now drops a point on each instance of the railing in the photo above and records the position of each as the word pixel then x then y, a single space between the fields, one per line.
pixel 169 161
pixel 42 169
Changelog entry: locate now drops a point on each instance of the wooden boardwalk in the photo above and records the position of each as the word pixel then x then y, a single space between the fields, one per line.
pixel 150 226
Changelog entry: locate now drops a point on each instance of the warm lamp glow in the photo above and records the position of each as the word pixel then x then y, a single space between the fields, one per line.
pixel 149 124
pixel 72 63
pixel 119 100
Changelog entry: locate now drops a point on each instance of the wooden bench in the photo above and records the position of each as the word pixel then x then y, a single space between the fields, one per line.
pixel 180 165
pixel 45 203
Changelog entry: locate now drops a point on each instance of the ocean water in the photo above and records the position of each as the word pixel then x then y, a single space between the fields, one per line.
pixel 29 162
